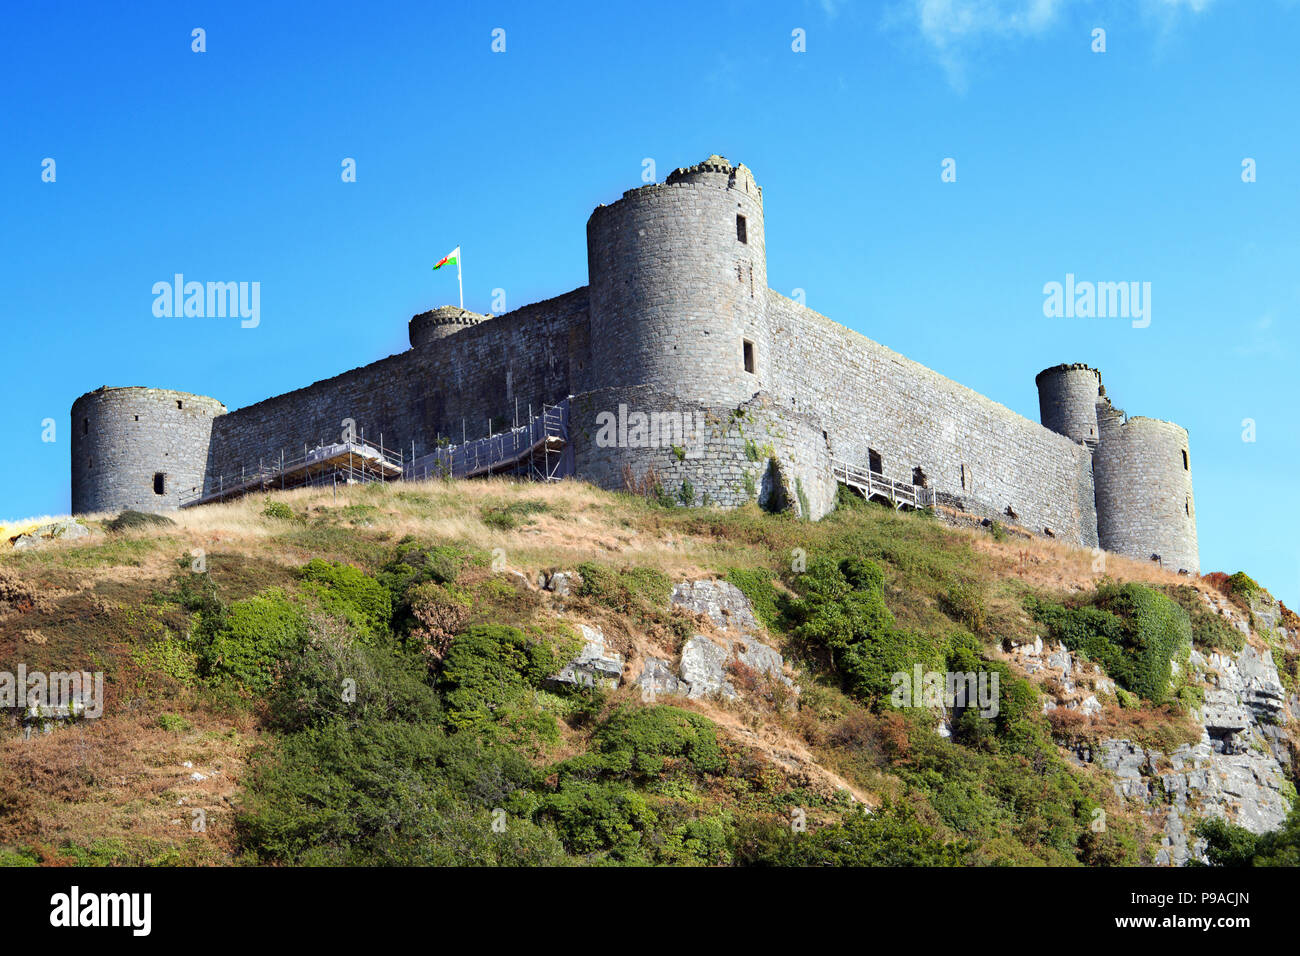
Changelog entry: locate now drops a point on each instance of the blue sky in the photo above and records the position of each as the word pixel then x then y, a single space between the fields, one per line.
pixel 225 165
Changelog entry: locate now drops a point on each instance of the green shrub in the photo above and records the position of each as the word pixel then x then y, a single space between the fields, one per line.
pixel 334 678
pixel 1210 631
pixel 593 817
pixel 1243 586
pixel 349 592
pixel 258 634
pixel 16 858
pixel 491 666
pixel 1133 632
pixel 174 722
pixel 840 610
pixel 130 520
pixel 391 794
pixel 756 585
pixel 892 836
pixel 626 590
pixel 513 515
pixel 642 740
pixel 964 602
pixel 278 510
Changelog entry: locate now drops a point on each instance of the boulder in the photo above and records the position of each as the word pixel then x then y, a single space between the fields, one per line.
pixel 596 664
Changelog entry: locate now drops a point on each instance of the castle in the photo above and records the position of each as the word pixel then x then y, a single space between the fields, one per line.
pixel 677 324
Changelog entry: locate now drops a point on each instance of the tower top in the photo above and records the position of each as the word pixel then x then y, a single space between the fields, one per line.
pixel 717 168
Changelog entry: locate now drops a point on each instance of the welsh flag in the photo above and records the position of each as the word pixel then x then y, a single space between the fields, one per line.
pixel 450 259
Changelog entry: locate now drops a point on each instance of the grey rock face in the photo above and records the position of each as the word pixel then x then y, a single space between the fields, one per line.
pixel 722 602
pixel 65 529
pixel 596 664
pixel 703 668
pixel 1233 773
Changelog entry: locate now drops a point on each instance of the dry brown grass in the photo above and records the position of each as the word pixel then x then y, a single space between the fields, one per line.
pixel 121 778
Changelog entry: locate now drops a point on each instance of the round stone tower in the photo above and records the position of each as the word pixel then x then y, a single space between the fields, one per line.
pixel 439 323
pixel 1067 401
pixel 141 448
pixel 1142 474
pixel 678 286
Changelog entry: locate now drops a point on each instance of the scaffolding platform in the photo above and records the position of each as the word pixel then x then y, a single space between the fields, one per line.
pixel 349 463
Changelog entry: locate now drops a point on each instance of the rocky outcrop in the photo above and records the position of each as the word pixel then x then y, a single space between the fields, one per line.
pixel 65 529
pixel 595 665
pixel 1233 772
pixel 724 604
pixel 706 665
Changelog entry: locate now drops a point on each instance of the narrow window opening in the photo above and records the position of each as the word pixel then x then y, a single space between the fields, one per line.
pixel 137 418
pixel 1185 468
pixel 178 403
pixel 90 463
pixel 85 426
pixel 1187 506
pixel 741 232
pixel 749 356
pixel 159 483
pixel 873 461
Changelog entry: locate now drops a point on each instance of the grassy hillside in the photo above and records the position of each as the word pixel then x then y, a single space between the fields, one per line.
pixel 362 679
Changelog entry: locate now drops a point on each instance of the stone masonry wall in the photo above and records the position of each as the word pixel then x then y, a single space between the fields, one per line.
pixel 868 397
pixel 536 354
pixel 122 437
pixel 1144 490
pixel 728 463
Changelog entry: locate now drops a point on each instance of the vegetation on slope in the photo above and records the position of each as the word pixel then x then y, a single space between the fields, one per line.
pixel 370 689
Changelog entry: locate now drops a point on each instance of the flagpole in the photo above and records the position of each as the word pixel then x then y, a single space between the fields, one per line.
pixel 459 284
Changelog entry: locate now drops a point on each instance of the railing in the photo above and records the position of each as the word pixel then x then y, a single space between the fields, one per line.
pixel 350 462
pixel 540 447
pixel 875 485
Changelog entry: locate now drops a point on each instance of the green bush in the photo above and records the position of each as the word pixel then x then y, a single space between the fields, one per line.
pixel 626 590
pixel 490 666
pixel 334 678
pixel 964 602
pixel 278 510
pixel 391 794
pixel 174 722
pixel 756 585
pixel 892 836
pixel 644 740
pixel 1133 632
pixel 513 515
pixel 841 610
pixel 349 592
pixel 258 634
pixel 130 520
pixel 593 817
pixel 1210 631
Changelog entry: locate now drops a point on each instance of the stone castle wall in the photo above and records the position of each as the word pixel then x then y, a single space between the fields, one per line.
pixel 539 353
pixel 1144 490
pixel 122 438
pixel 970 448
pixel 728 462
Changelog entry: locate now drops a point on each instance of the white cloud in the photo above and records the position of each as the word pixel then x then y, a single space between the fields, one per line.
pixel 955 30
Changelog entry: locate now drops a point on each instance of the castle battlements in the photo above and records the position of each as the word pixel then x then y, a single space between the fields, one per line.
pixel 677 323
